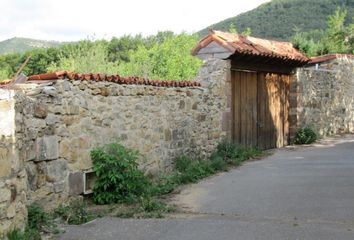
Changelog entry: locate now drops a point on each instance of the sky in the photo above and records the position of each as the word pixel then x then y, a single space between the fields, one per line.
pixel 72 20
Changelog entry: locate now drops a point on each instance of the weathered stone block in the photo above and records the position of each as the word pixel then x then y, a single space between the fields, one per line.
pixel 57 170
pixel 5 194
pixel 47 148
pixel 51 119
pixel 40 111
pixel 76 183
pixel 5 162
pixel 168 136
pixel 59 186
pixel 32 175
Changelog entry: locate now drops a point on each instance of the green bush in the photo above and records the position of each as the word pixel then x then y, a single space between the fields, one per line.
pixel 118 178
pixel 305 136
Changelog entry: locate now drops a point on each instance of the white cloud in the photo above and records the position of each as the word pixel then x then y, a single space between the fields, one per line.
pixel 68 20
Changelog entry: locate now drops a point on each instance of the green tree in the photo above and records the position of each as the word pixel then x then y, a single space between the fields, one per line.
pixel 85 57
pixel 169 60
pixel 247 32
pixel 232 28
pixel 336 40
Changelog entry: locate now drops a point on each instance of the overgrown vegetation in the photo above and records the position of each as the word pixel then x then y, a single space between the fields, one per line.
pixel 75 213
pixel 305 136
pixel 165 56
pixel 120 181
pixel 41 222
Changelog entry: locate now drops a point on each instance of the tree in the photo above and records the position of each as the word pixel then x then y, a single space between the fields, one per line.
pixel 337 38
pixel 85 57
pixel 169 60
pixel 232 28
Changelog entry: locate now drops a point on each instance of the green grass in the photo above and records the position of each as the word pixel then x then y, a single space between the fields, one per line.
pixel 189 170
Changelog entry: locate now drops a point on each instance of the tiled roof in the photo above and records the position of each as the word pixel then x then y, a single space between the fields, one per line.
pixel 111 78
pixel 239 44
pixel 329 57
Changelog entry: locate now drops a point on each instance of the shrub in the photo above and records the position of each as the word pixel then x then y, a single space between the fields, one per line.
pixel 118 177
pixel 305 136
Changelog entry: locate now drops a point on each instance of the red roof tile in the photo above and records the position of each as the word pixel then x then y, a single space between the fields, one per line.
pixel 239 44
pixel 329 57
pixel 111 78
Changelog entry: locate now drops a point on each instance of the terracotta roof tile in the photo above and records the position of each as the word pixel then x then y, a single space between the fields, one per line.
pixel 329 57
pixel 5 82
pixel 111 78
pixel 239 44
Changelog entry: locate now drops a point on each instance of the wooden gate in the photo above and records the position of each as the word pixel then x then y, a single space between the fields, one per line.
pixel 260 109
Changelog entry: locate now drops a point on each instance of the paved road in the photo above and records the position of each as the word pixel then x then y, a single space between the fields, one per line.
pixel 297 193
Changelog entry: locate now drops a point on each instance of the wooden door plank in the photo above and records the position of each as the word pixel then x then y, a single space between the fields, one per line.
pixel 236 101
pixel 286 109
pixel 281 98
pixel 268 118
pixel 243 108
pixel 272 108
pixel 253 104
pixel 262 105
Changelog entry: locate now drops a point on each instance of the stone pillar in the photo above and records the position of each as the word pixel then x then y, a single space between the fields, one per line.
pixel 13 178
pixel 215 75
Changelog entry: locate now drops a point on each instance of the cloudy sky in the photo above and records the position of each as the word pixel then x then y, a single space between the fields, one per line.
pixel 69 20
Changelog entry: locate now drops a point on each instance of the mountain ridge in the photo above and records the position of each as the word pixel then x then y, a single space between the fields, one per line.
pixel 20 44
pixel 279 19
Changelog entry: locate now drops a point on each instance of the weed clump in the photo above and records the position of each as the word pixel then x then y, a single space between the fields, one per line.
pixel 305 136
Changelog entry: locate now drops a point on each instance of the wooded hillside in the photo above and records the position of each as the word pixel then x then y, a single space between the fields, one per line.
pixel 278 19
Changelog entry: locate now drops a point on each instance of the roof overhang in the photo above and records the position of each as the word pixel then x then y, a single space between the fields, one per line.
pixel 227 45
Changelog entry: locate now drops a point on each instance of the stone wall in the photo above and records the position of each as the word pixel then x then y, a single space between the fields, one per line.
pixel 13 179
pixel 57 124
pixel 322 97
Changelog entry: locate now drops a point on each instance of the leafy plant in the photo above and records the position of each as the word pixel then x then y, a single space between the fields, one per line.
pixel 118 177
pixel 305 136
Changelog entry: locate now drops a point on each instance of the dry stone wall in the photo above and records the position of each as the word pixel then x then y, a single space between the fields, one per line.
pixel 53 126
pixel 322 97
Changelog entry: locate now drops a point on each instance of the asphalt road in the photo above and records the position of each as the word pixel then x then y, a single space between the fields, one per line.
pixel 297 193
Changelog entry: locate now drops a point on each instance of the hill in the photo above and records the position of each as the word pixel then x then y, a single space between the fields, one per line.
pixel 20 45
pixel 278 19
